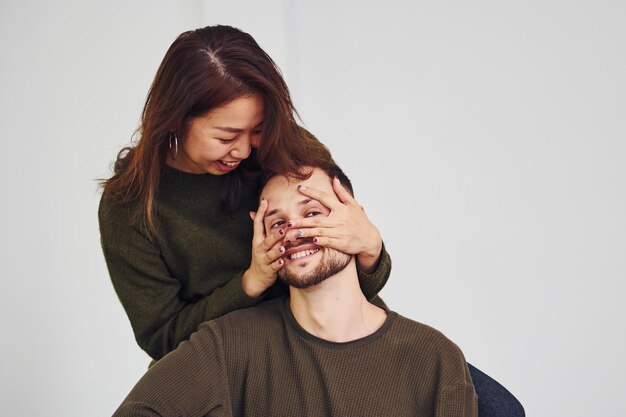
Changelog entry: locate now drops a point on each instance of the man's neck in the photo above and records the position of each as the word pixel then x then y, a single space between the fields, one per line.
pixel 336 310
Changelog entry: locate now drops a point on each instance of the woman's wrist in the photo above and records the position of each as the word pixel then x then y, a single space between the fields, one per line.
pixel 250 285
pixel 370 258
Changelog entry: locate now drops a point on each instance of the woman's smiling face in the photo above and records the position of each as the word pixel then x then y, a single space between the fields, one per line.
pixel 218 141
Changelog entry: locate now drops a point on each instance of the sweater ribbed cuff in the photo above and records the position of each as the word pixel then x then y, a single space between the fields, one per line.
pixel 379 276
pixel 237 297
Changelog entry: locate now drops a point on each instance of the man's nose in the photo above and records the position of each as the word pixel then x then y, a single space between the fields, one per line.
pixel 291 236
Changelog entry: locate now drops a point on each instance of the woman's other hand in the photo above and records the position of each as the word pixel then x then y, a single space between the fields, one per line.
pixel 266 256
pixel 347 227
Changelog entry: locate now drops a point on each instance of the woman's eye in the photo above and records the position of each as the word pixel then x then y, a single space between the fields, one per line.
pixel 313 213
pixel 227 141
pixel 277 224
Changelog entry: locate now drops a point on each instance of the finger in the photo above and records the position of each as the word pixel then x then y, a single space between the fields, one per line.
pixel 329 242
pixel 272 238
pixel 315 232
pixel 317 221
pixel 276 266
pixel 259 230
pixel 329 200
pixel 343 194
pixel 275 253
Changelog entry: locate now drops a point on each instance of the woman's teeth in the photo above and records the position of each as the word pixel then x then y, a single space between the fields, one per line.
pixel 230 164
pixel 303 253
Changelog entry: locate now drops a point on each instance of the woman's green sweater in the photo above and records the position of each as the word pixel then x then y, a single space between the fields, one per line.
pixel 192 271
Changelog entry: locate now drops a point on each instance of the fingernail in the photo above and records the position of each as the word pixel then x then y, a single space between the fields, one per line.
pixel 281 232
pixel 302 187
pixel 281 249
pixel 300 233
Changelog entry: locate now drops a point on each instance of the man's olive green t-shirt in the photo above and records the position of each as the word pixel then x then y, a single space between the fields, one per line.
pixel 260 362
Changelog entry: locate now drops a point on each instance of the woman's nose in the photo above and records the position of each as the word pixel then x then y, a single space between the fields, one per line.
pixel 242 148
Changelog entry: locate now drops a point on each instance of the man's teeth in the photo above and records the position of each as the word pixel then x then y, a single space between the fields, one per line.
pixel 230 164
pixel 303 253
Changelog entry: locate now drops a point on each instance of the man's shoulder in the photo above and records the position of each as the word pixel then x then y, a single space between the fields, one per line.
pixel 433 353
pixel 422 336
pixel 251 321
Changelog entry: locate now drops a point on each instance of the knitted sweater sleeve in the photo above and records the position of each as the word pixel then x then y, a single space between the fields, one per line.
pixel 160 318
pixel 371 283
pixel 191 381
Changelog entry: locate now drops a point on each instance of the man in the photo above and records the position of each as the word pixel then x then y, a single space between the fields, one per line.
pixel 324 351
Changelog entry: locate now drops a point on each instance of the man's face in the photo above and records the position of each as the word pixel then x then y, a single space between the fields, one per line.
pixel 306 264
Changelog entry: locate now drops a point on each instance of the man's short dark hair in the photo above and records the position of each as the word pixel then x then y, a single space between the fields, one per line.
pixel 329 167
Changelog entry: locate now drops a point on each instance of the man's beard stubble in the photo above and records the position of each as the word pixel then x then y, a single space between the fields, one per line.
pixel 332 262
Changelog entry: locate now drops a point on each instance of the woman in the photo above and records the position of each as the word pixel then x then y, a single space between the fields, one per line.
pixel 174 218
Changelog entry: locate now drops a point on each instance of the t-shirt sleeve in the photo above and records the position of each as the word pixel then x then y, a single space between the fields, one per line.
pixel 160 317
pixel 372 282
pixel 456 396
pixel 456 401
pixel 190 381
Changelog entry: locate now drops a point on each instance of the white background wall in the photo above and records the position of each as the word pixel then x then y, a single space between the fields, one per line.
pixel 486 139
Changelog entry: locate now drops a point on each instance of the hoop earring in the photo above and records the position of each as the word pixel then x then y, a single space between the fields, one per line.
pixel 174 148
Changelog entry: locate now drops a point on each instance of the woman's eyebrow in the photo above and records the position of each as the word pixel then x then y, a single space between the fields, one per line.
pixel 234 129
pixel 229 129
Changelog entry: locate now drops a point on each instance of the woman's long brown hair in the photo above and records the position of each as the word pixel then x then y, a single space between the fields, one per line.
pixel 203 70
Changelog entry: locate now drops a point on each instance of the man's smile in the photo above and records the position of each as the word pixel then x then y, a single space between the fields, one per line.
pixel 300 251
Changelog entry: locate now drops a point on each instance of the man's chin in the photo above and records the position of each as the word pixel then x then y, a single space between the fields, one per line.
pixel 306 276
pixel 301 281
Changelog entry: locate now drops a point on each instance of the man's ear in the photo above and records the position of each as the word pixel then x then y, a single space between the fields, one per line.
pixel 253 215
